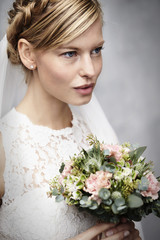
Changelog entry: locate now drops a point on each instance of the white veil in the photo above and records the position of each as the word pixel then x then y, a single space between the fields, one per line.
pixel 13 88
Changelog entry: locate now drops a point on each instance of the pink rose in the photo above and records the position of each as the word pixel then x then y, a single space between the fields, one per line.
pixel 97 181
pixel 115 150
pixel 67 169
pixel 153 188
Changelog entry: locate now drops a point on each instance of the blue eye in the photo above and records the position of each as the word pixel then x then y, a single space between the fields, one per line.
pixel 97 50
pixel 70 54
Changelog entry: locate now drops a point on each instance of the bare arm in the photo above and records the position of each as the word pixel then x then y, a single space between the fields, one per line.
pixel 2 166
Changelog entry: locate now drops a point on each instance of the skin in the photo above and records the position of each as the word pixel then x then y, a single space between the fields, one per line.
pixel 56 75
pixel 51 89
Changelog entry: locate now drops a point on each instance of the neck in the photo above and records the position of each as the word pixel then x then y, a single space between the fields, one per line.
pixel 43 109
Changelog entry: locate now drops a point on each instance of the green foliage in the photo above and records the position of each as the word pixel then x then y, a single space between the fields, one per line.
pixel 116 194
pixel 55 192
pixel 134 201
pixel 62 168
pixel 94 205
pixel 110 167
pixel 136 154
pixel 156 208
pixel 104 194
pixel 119 201
pixel 85 202
pixel 143 185
pixel 89 161
pixel 59 198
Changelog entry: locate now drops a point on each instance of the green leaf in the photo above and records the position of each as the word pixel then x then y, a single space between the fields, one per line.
pixel 94 205
pixel 62 168
pixel 114 209
pixel 104 193
pixel 85 202
pixel 156 208
pixel 113 160
pixel 55 192
pixel 158 179
pixel 143 185
pixel 59 198
pixel 106 152
pixel 108 202
pixel 85 153
pixel 119 201
pixel 135 154
pixel 110 167
pixel 134 201
pixel 79 185
pixel 122 208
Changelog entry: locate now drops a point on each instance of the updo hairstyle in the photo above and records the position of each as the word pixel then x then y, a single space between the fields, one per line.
pixel 48 23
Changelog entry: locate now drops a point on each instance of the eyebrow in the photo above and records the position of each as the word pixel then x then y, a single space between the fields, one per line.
pixel 75 48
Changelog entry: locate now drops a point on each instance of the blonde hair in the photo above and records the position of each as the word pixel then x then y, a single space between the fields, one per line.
pixel 48 23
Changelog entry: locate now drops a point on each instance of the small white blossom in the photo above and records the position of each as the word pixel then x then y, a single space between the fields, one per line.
pixel 127 172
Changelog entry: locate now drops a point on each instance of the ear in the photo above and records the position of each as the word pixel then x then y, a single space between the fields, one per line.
pixel 26 54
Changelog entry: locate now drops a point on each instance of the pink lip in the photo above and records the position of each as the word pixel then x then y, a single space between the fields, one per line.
pixel 85 89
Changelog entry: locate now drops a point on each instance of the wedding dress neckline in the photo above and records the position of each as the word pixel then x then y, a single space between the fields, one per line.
pixel 25 119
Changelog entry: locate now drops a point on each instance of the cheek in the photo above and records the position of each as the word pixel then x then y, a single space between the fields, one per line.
pixel 98 67
pixel 55 75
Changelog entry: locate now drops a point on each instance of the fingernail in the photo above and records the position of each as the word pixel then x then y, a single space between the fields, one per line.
pixel 126 233
pixel 109 233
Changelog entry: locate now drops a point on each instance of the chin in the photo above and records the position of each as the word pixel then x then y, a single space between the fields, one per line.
pixel 82 101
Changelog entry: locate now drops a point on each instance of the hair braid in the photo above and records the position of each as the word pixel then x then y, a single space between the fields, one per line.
pixel 20 19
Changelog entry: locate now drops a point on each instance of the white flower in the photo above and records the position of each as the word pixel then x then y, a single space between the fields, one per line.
pixel 126 172
pixel 118 175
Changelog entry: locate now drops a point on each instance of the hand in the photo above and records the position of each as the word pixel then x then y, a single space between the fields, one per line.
pixel 125 230
pixel 94 232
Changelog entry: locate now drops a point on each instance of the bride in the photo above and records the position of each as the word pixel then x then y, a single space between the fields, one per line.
pixel 58 44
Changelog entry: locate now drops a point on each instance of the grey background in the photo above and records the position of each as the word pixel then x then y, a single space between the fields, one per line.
pixel 129 86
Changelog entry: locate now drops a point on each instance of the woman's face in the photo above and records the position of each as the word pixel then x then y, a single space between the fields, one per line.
pixel 69 72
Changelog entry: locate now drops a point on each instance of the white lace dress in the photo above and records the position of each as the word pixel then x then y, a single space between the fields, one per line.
pixel 33 156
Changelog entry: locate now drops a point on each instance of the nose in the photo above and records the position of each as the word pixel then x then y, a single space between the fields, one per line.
pixel 87 69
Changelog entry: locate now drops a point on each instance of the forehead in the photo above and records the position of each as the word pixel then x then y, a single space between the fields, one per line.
pixel 92 36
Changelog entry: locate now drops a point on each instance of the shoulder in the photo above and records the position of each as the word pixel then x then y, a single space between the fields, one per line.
pixel 9 123
pixel 8 117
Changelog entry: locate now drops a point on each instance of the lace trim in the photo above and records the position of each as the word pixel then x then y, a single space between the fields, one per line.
pixel 23 118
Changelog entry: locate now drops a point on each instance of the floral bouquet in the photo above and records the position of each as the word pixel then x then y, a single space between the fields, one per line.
pixel 110 182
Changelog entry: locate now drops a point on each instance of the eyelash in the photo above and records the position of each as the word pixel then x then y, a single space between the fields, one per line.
pixel 72 54
pixel 99 49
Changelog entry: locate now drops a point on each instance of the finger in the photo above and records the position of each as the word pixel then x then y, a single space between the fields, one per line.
pixel 133 235
pixel 128 238
pixel 118 235
pixel 120 228
pixel 95 230
pixel 129 226
pixel 125 226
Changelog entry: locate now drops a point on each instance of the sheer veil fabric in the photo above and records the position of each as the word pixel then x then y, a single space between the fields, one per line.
pixel 13 88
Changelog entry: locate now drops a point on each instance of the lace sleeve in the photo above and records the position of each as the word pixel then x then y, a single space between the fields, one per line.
pixel 2 166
